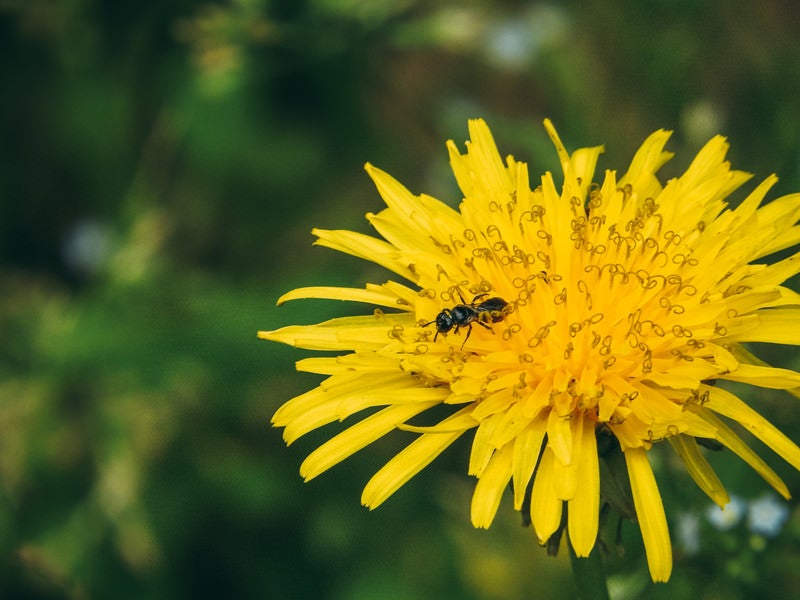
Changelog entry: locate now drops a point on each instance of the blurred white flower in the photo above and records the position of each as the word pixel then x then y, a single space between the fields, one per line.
pixel 726 518
pixel 515 42
pixel 87 246
pixel 688 532
pixel 766 515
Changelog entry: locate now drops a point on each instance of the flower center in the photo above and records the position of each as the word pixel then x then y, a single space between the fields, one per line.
pixel 591 307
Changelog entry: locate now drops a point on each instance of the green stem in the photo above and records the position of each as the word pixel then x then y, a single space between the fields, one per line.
pixel 590 577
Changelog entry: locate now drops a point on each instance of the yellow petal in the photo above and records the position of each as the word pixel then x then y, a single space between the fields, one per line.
pixel 409 393
pixel 710 165
pixel 374 295
pixel 480 172
pixel 650 514
pixel 358 436
pixel 345 333
pixel 405 206
pixel 559 437
pixel 490 487
pixel 783 211
pixel 773 325
pixel 546 507
pixel 366 247
pixel 409 213
pixel 583 512
pixel 493 404
pixel 527 448
pixel 699 469
pixel 782 214
pixel 733 442
pixel 776 273
pixel 749 205
pixel 561 150
pixel 649 158
pixel 581 168
pixel 332 390
pixel 725 403
pixel 767 377
pixel 568 479
pixel 349 363
pixel 482 447
pixel 413 458
pixel 511 426
pixel 786 239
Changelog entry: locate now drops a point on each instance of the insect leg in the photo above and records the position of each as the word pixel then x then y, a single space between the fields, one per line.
pixel 475 299
pixel 466 337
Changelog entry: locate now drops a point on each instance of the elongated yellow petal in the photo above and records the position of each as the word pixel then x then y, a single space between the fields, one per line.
pixel 482 447
pixel 581 168
pixel 343 333
pixel 650 513
pixel 583 512
pixel 727 404
pixel 357 402
pixel 349 364
pixel 413 458
pixel 568 479
pixel 762 376
pixel 510 427
pixel 727 437
pixel 776 273
pixel 546 507
pixel 527 448
pixel 774 325
pixel 375 295
pixel 490 487
pixel 650 157
pixel 699 469
pixel 749 205
pixel 480 173
pixel 787 239
pixel 559 433
pixel 332 390
pixel 783 211
pixel 366 247
pixel 404 205
pixel 361 434
pixel 561 150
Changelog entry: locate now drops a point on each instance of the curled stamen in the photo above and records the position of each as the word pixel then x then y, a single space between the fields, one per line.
pixel 511 330
pixel 429 293
pixel 441 246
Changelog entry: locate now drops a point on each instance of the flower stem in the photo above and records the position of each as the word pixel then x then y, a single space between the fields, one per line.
pixel 590 577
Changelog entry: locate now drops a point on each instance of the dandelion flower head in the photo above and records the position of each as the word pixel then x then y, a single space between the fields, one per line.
pixel 550 313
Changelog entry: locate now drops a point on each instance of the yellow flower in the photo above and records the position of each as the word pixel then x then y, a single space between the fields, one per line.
pixel 564 313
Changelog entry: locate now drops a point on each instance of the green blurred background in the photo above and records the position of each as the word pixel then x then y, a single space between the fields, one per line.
pixel 162 166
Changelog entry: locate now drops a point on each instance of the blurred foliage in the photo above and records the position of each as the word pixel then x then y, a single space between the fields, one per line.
pixel 162 164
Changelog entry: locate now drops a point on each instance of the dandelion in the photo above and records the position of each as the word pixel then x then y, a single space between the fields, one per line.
pixel 553 319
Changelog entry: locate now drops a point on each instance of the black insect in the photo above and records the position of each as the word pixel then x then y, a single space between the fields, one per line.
pixel 491 310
